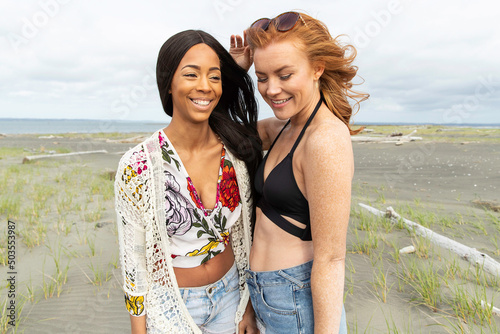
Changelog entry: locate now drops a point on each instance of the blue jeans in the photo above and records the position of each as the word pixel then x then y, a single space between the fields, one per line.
pixel 213 307
pixel 282 300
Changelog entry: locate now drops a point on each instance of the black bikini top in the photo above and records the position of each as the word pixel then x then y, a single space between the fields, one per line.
pixel 280 196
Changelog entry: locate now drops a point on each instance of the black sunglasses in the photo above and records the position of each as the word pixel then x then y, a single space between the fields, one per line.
pixel 282 22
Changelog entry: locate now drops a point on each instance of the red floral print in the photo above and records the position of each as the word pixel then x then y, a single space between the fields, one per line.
pixel 225 238
pixel 229 192
pixel 193 193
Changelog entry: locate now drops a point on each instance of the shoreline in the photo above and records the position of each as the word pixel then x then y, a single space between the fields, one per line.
pixel 103 127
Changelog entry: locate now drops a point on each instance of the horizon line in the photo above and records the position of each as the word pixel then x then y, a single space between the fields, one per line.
pixel 161 122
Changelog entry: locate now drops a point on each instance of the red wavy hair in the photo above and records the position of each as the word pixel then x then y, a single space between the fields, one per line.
pixel 320 47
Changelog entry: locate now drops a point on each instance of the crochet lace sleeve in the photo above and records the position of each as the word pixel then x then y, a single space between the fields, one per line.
pixel 129 187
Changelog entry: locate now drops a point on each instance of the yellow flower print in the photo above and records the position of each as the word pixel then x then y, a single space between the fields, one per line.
pixel 205 249
pixel 128 174
pixel 135 304
pixel 210 246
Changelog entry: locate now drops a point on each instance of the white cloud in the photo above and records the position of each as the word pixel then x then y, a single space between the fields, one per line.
pixel 96 59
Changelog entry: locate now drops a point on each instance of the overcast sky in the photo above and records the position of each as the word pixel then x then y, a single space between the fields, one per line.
pixel 422 61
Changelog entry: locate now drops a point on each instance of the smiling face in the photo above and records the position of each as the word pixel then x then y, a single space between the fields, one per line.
pixel 286 79
pixel 196 85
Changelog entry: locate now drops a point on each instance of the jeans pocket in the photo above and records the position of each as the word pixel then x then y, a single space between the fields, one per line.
pixel 278 299
pixel 298 283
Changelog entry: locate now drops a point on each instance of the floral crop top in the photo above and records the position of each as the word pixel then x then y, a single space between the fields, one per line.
pixel 197 234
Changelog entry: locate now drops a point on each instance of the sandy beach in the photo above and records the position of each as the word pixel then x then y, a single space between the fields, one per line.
pixel 447 187
pixel 67 276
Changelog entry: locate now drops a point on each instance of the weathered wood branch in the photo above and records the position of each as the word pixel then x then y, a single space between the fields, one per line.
pixel 494 310
pixel 398 140
pixel 467 253
pixel 368 139
pixel 45 156
pixel 137 139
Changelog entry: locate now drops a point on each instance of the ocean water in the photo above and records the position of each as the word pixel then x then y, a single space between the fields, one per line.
pixel 53 126
pixel 454 125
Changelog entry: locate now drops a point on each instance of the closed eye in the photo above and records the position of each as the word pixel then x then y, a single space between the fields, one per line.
pixel 286 77
pixel 261 79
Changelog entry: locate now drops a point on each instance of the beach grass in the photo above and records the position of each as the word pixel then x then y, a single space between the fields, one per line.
pixel 101 135
pixel 438 133
pixel 99 275
pixel 53 203
pixel 443 289
pixel 6 152
pixel 64 214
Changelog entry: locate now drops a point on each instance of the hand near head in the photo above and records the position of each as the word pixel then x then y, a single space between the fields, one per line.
pixel 240 51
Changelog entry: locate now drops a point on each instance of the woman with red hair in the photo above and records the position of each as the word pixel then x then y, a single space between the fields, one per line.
pixel 296 275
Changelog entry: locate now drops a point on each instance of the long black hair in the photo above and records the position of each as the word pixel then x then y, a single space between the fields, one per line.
pixel 234 119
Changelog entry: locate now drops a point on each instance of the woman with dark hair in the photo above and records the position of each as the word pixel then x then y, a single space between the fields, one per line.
pixel 183 196
pixel 296 276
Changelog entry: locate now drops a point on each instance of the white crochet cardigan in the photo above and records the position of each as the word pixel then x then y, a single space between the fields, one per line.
pixel 144 244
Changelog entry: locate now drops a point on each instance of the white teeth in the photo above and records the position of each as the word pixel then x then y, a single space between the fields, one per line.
pixel 201 102
pixel 280 101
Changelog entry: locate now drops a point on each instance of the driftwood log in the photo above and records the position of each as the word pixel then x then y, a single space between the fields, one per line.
pixel 398 140
pixel 494 310
pixel 133 140
pixel 45 156
pixel 467 253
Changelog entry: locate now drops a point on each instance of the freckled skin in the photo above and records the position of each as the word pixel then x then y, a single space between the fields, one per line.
pixel 323 167
pixel 329 194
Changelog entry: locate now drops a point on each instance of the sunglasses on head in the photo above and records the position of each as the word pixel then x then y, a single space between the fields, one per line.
pixel 282 22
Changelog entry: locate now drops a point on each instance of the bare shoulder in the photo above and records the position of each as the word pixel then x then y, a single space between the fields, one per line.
pixel 329 148
pixel 268 130
pixel 330 134
pixel 272 126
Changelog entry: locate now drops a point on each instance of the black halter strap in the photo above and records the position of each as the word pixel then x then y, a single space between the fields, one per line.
pixel 306 125
pixel 303 129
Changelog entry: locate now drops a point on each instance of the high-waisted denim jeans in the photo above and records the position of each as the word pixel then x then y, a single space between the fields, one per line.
pixel 213 307
pixel 282 300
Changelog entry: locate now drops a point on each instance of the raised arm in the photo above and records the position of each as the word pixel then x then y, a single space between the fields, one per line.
pixel 328 177
pixel 240 51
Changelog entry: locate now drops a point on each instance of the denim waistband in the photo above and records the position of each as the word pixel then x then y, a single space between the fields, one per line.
pixel 209 289
pixel 297 273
